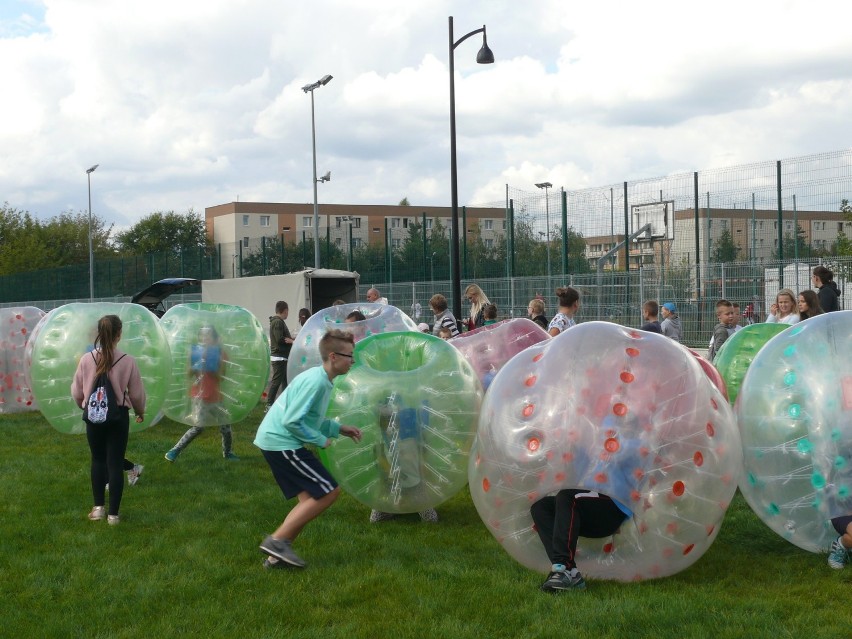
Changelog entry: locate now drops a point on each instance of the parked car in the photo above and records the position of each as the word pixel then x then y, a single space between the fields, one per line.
pixel 153 296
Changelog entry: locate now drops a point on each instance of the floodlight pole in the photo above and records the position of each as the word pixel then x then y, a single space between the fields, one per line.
pixel 89 172
pixel 309 88
pixel 546 186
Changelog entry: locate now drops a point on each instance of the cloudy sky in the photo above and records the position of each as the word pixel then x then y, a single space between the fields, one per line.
pixel 195 103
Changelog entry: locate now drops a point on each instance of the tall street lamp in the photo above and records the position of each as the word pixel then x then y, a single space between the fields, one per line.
pixel 89 172
pixel 484 56
pixel 432 266
pixel 309 88
pixel 546 186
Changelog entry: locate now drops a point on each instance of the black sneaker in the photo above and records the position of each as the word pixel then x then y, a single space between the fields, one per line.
pixel 561 580
pixel 280 549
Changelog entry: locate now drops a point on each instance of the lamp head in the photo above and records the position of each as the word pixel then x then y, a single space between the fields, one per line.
pixel 325 79
pixel 92 169
pixel 544 185
pixel 484 55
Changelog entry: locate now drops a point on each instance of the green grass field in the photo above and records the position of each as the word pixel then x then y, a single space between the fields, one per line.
pixel 185 562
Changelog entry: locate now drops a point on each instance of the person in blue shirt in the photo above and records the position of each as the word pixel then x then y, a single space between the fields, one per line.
pixel 295 419
pixel 561 518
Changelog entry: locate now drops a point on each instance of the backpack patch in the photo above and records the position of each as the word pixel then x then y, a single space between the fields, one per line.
pixel 102 406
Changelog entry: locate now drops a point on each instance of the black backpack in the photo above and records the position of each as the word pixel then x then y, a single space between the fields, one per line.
pixel 102 406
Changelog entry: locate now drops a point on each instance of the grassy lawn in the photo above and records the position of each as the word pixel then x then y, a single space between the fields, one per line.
pixel 184 562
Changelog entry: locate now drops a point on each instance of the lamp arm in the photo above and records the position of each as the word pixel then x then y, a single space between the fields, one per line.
pixel 465 37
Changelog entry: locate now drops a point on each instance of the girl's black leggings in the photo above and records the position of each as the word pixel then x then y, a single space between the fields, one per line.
pixel 108 445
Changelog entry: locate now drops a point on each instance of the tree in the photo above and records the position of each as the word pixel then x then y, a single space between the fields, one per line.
pixel 404 201
pixel 724 249
pixel 797 247
pixel 161 232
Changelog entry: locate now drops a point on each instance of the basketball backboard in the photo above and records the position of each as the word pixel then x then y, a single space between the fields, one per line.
pixel 660 215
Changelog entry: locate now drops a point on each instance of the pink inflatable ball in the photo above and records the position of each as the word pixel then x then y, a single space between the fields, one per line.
pixel 488 348
pixel 416 401
pixel 67 333
pixel 16 326
pixel 380 318
pixel 795 416
pixel 610 409
pixel 712 373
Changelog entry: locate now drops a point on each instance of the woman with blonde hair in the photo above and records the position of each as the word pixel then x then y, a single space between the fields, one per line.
pixel 477 300
pixel 783 310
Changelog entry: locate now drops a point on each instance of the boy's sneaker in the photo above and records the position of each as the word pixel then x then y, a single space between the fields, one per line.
pixel 838 555
pixel 133 474
pixel 377 516
pixel 98 513
pixel 561 580
pixel 113 520
pixel 172 454
pixel 230 456
pixel 280 549
pixel 271 563
pixel 429 515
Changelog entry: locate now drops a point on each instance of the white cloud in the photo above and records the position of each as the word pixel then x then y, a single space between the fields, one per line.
pixel 191 105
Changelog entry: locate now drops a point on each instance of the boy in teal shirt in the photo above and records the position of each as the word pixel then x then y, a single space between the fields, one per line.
pixel 295 419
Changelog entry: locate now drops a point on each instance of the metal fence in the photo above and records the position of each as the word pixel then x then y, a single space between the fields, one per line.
pixel 618 297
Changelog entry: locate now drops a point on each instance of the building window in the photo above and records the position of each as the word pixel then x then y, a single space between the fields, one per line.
pixel 264 220
pixel 356 242
pixel 338 241
pixel 307 221
pixel 395 222
pixel 489 225
pixel 489 244
pixel 429 223
pixel 245 242
pixel 396 243
pixel 504 225
pixel 245 220
pixel 356 222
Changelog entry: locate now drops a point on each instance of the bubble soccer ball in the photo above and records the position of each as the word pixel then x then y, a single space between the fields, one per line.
pixel 615 410
pixel 380 318
pixel 795 418
pixel 67 333
pixel 738 352
pixel 488 348
pixel 220 363
pixel 16 326
pixel 416 401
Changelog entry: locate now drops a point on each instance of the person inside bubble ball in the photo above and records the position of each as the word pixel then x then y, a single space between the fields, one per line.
pixel 808 305
pixel 206 365
pixel 838 555
pixel 297 419
pixel 783 311
pixel 569 304
pixel 561 519
pixel 400 429
pixel 108 442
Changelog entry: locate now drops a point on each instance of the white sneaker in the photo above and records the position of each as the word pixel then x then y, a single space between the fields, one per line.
pixel 133 474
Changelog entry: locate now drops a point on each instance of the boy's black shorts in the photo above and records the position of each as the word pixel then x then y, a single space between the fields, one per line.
pixel 299 471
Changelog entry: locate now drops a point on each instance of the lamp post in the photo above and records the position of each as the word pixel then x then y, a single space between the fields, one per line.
pixel 432 266
pixel 309 88
pixel 484 56
pixel 546 186
pixel 89 172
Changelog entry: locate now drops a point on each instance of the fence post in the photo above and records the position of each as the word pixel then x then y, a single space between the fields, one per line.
pixel 564 231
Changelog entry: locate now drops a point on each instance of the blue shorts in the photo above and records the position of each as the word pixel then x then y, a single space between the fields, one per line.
pixel 298 471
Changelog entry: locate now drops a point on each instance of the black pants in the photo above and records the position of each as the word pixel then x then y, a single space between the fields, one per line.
pixel 279 380
pixel 562 518
pixel 108 445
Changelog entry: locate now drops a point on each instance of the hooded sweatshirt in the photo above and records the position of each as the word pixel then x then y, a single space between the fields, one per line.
pixel 671 327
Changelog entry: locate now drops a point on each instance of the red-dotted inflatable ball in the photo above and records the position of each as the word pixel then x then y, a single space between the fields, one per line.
pixel 16 326
pixel 619 411
pixel 488 348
